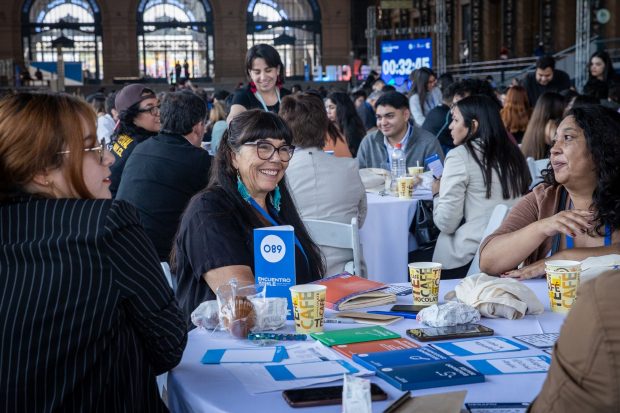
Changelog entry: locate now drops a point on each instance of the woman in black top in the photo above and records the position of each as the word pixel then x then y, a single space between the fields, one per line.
pixel 86 316
pixel 266 73
pixel 601 76
pixel 247 190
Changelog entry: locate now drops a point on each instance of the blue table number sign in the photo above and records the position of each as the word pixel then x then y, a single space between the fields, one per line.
pixel 274 261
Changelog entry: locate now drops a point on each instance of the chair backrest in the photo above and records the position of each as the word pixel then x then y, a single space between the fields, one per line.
pixel 336 234
pixel 535 168
pixel 497 216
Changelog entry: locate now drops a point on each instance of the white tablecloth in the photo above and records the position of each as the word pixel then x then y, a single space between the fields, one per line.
pixel 195 387
pixel 385 237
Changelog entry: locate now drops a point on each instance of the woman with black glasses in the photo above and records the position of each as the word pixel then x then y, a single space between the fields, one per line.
pixel 138 109
pixel 247 190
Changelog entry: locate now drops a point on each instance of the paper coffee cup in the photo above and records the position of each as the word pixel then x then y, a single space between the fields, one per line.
pixel 308 307
pixel 405 187
pixel 425 278
pixel 415 170
pixel 562 282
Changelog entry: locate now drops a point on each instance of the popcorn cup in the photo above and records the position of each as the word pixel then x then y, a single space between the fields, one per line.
pixel 405 187
pixel 562 281
pixel 425 278
pixel 308 307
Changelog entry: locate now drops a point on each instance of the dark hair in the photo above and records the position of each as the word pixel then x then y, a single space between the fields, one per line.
pixel 250 126
pixel 609 66
pixel 420 81
pixel 305 115
pixel 388 88
pixel 494 150
pixel 361 93
pixel 349 122
pixel 545 61
pixel 600 127
pixel 584 100
pixel 267 53
pixel 221 94
pixel 549 108
pixel 26 150
pixel 468 87
pixel 97 101
pixel 181 111
pixel 109 103
pixel 445 80
pixel 394 99
pixel 448 92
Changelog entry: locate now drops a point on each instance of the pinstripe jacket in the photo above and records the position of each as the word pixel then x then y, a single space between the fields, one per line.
pixel 86 317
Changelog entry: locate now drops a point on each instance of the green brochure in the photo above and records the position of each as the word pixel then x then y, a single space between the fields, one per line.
pixel 354 335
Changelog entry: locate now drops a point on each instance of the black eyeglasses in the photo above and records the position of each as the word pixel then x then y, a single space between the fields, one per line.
pixel 153 110
pixel 101 149
pixel 265 150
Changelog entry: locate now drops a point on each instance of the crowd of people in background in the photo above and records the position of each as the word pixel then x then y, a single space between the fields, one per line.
pixel 139 177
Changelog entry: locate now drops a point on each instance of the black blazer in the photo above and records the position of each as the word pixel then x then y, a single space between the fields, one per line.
pixel 86 316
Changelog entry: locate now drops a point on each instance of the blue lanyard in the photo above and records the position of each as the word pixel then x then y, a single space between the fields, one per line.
pixel 273 222
pixel 260 99
pixel 570 243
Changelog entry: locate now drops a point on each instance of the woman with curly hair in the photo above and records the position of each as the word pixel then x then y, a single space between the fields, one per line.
pixel 516 112
pixel 542 125
pixel 575 214
pixel 341 111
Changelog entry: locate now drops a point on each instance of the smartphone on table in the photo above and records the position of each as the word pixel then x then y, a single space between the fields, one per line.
pixel 323 396
pixel 451 332
pixel 400 308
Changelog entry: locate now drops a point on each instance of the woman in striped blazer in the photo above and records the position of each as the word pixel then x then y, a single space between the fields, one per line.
pixel 86 316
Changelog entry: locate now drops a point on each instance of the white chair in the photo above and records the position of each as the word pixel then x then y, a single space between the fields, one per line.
pixel 336 234
pixel 535 168
pixel 497 216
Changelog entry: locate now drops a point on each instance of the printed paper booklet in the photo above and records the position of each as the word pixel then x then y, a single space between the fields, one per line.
pixel 348 292
pixel 348 350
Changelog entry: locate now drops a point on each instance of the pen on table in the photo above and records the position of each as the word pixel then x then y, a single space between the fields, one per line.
pixel 339 321
pixel 394 313
pixel 399 402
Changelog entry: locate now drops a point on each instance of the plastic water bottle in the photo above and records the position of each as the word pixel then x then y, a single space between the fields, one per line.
pixel 399 167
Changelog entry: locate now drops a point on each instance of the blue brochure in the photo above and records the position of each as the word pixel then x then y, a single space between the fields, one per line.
pixel 398 358
pixel 475 346
pixel 428 375
pixel 310 370
pixel 245 355
pixel 515 365
pixel 434 164
pixel 274 261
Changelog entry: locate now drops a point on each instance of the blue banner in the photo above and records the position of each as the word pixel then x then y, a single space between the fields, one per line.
pixel 400 57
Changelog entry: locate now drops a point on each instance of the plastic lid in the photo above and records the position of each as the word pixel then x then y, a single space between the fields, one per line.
pixel 398 146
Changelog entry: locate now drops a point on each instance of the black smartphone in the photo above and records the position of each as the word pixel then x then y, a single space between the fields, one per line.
pixel 322 396
pixel 407 308
pixel 446 333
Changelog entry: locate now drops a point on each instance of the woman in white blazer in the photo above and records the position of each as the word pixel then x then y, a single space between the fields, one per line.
pixel 323 186
pixel 485 169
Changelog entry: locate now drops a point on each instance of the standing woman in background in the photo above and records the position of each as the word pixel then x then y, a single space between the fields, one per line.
pixel 424 94
pixel 543 123
pixel 265 70
pixel 516 112
pixel 87 319
pixel 601 76
pixel 341 111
